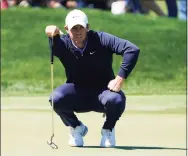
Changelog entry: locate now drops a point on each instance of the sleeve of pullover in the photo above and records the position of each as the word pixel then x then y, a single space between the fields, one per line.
pixel 128 50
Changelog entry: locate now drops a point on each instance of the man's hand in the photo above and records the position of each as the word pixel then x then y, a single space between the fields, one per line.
pixel 116 84
pixel 52 30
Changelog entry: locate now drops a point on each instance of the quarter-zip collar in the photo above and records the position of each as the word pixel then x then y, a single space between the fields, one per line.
pixel 79 49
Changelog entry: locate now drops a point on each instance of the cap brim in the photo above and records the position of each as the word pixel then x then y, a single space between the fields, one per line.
pixel 77 22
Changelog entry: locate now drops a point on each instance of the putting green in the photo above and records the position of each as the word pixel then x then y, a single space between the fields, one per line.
pixel 25 133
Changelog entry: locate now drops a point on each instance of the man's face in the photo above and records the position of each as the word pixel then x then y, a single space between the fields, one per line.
pixel 78 33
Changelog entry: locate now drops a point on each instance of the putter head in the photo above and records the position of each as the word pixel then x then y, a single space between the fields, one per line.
pixel 52 145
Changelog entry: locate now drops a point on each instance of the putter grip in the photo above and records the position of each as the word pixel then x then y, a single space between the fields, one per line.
pixel 51 57
pixel 51 50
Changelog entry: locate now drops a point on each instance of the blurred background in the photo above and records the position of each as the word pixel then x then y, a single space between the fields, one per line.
pixel 174 8
pixel 157 27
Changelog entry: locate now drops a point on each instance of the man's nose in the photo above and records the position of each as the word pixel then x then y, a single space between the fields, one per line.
pixel 78 29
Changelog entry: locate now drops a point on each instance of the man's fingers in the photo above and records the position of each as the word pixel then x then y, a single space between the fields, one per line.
pixel 51 30
pixel 114 86
pixel 117 88
pixel 111 85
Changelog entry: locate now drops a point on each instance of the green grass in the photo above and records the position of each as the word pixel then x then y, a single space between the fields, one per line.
pixel 181 111
pixel 157 104
pixel 25 64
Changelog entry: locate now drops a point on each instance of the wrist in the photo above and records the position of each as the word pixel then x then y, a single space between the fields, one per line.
pixel 119 78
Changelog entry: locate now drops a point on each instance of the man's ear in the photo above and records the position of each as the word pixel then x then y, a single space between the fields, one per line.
pixel 66 28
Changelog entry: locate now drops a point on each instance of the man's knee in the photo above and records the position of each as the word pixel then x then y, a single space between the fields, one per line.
pixel 115 102
pixel 116 99
pixel 56 97
pixel 62 96
pixel 109 97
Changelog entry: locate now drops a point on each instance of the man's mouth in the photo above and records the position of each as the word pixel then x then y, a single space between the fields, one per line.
pixel 79 36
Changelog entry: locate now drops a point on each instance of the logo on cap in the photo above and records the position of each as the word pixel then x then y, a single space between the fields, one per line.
pixel 75 16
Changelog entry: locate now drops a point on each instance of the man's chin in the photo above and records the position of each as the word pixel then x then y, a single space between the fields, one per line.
pixel 79 41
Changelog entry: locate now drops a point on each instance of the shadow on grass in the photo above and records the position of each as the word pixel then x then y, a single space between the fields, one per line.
pixel 138 148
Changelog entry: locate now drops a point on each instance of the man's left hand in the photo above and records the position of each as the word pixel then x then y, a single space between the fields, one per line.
pixel 116 84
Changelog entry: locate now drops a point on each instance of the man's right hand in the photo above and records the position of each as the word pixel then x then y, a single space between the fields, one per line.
pixel 52 30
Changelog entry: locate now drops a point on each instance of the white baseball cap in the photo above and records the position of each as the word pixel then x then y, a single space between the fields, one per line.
pixel 76 17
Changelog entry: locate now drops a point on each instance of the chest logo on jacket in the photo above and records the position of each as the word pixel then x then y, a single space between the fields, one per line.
pixel 92 52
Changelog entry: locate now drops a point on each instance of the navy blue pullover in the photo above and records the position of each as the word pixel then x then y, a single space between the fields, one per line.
pixel 93 68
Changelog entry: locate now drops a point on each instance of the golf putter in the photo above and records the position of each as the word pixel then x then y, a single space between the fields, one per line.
pixel 51 143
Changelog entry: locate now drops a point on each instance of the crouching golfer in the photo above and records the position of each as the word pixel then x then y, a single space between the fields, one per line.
pixel 91 84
